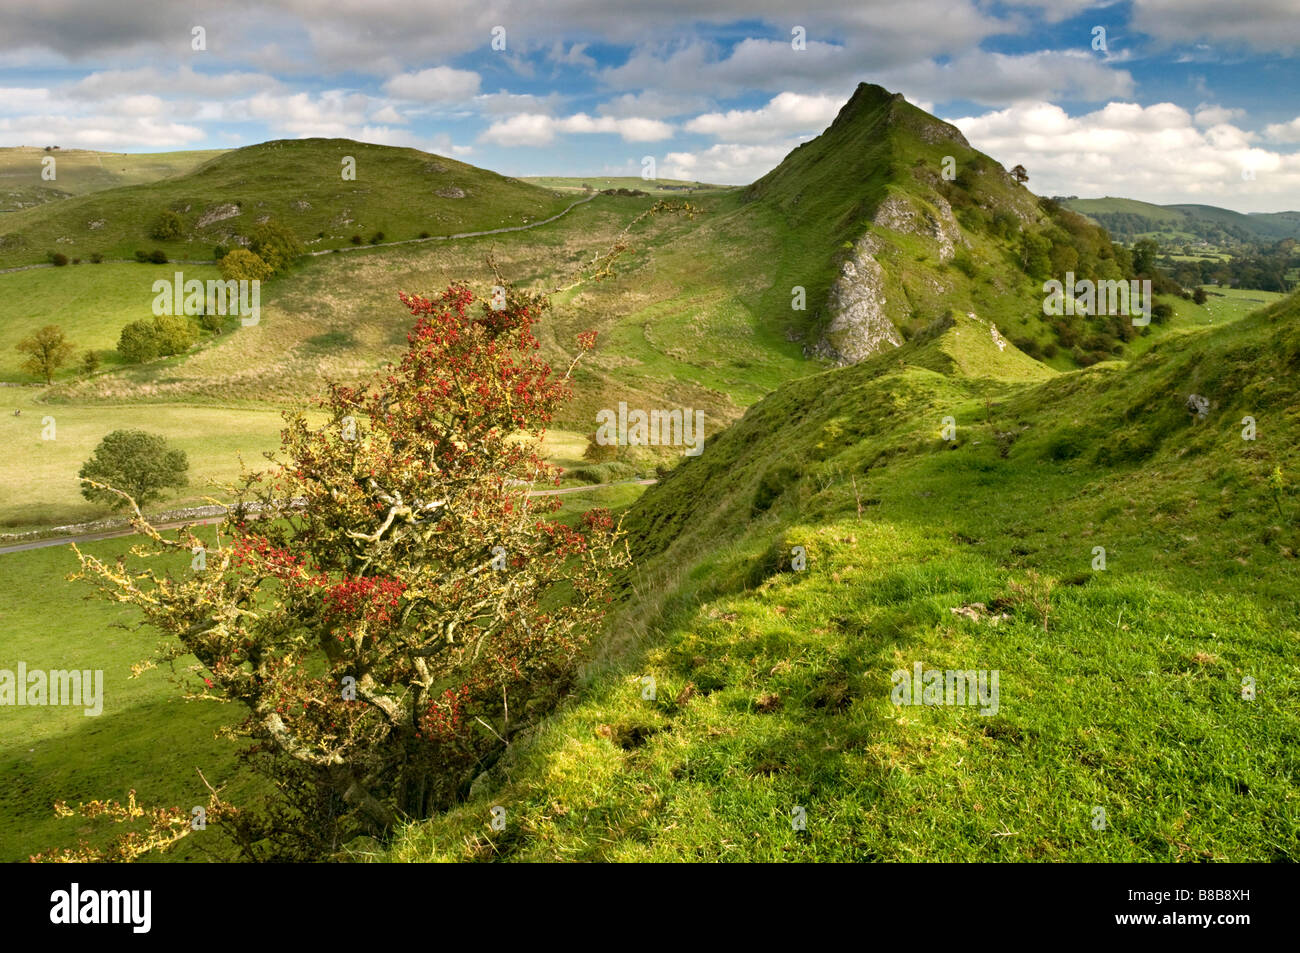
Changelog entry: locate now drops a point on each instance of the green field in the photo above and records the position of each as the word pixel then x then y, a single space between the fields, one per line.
pixel 147 737
pixel 92 303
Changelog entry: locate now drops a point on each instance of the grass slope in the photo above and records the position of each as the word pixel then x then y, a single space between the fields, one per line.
pixel 772 686
pixel 81 171
pixel 1186 222
pixel 399 192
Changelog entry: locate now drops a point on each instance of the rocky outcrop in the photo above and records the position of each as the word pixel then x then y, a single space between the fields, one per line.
pixel 859 325
pixel 218 214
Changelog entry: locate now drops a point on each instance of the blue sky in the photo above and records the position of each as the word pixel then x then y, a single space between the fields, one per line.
pixel 1184 101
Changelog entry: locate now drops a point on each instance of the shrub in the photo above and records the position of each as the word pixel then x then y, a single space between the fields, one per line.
pixel 89 362
pixel 220 252
pixel 1029 346
pixel 158 256
pixel 424 234
pixel 275 244
pixel 141 256
pixel 243 265
pixel 1199 296
pixel 96 258
pixel 138 342
pixel 59 259
pixel 963 262
pixel 356 239
pixel 610 472
pixel 167 227
pixel 174 333
pixel 599 452
pixel 395 655
pixel 778 478
pixel 137 463
pixel 376 238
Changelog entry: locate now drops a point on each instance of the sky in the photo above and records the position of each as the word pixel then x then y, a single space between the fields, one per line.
pixel 1166 101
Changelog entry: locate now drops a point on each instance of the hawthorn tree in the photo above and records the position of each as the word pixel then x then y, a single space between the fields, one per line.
pixel 389 602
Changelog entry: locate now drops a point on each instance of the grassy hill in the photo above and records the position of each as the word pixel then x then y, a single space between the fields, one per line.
pixel 81 171
pixel 1130 219
pixel 401 193
pixel 1121 688
pixel 894 220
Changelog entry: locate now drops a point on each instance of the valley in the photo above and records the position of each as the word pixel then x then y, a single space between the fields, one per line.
pixel 900 456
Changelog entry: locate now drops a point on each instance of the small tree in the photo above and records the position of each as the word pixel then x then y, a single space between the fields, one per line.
pixel 90 362
pixel 174 333
pixel 1020 174
pixel 275 244
pixel 1199 296
pixel 138 463
pixel 49 349
pixel 243 265
pixel 138 341
pixel 402 605
pixel 598 452
pixel 167 227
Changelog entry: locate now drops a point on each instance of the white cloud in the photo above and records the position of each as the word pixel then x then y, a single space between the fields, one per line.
pixel 182 81
pixel 438 84
pixel 725 163
pixel 576 55
pixel 654 104
pixel 1283 131
pixel 112 133
pixel 783 115
pixel 1211 115
pixel 1153 153
pixel 388 115
pixel 994 79
pixel 523 129
pixel 535 129
pixel 1266 25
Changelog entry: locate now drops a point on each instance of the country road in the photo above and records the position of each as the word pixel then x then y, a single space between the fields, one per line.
pixel 113 534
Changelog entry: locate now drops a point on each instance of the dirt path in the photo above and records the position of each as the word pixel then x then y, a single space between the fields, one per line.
pixel 115 533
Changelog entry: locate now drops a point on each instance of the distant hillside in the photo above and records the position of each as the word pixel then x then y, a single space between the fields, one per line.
pixel 81 171
pixel 588 183
pixel 401 193
pixel 1129 219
